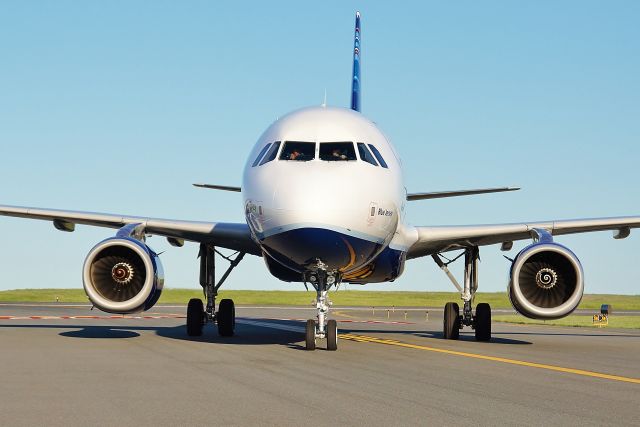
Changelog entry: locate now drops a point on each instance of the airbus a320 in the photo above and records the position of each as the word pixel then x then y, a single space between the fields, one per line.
pixel 307 232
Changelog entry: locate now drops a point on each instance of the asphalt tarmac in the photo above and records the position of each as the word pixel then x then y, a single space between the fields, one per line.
pixel 66 365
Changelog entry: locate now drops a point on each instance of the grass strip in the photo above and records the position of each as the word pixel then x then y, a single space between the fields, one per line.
pixel 581 321
pixel 340 298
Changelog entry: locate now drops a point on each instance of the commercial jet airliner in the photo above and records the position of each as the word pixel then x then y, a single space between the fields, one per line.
pixel 308 232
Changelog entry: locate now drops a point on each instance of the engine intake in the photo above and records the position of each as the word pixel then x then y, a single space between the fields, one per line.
pixel 123 275
pixel 546 281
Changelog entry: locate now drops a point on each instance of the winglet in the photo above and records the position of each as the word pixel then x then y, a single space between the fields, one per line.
pixel 355 82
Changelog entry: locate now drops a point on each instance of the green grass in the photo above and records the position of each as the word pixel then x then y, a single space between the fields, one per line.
pixel 627 322
pixel 343 298
pixel 618 302
pixel 43 295
pixel 340 298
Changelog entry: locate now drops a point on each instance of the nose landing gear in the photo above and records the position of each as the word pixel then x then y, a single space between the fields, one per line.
pixel 321 327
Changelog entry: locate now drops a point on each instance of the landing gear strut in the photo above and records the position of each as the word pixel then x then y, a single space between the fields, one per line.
pixel 320 327
pixel 453 320
pixel 197 314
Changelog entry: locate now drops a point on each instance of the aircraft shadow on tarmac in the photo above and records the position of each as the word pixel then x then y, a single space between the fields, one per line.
pixel 246 335
pixel 99 332
pixel 250 335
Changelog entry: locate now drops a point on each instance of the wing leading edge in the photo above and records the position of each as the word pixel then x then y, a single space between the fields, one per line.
pixel 235 236
pixel 441 194
pixel 431 240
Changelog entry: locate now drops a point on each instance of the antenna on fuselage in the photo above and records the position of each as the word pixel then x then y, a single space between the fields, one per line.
pixel 324 102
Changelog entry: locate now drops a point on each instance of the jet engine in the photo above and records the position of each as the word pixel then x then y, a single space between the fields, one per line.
pixel 123 275
pixel 546 281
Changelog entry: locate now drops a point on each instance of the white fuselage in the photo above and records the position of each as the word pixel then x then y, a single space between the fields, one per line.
pixel 342 214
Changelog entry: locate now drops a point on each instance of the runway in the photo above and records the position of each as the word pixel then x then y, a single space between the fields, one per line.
pixel 66 365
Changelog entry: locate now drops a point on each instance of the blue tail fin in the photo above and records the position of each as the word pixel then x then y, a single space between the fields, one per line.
pixel 355 83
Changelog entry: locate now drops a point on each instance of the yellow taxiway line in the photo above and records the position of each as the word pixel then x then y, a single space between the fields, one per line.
pixel 341 314
pixel 364 338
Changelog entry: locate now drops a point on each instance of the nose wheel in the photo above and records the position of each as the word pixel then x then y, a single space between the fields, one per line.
pixel 311 335
pixel 331 335
pixel 322 328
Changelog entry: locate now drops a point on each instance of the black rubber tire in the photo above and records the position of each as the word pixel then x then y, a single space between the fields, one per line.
pixel 310 335
pixel 451 323
pixel 226 318
pixel 332 335
pixel 195 317
pixel 483 322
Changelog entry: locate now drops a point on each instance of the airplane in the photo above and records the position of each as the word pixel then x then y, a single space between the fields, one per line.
pixel 311 228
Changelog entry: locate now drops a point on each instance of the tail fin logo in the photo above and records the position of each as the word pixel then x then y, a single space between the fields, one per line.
pixel 355 76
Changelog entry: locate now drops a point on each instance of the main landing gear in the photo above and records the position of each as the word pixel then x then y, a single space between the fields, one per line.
pixel 453 320
pixel 320 327
pixel 197 313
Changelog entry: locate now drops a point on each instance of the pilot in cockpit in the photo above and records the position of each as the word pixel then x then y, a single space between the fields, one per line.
pixel 338 154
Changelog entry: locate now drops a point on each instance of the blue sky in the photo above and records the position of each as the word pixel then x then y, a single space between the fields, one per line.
pixel 120 106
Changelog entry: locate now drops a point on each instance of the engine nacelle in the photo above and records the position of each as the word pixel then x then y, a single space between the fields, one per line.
pixel 122 275
pixel 546 281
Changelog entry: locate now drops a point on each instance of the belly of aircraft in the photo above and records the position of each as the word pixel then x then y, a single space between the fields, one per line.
pixel 298 248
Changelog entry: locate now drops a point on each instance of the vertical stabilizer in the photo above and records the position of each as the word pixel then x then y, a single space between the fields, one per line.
pixel 355 82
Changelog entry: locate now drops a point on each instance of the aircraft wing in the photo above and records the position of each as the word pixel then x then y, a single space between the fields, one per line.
pixel 431 240
pixel 235 236
pixel 441 194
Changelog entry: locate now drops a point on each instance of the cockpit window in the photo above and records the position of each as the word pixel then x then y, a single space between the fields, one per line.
pixel 264 150
pixel 273 152
pixel 378 156
pixel 337 151
pixel 365 154
pixel 299 151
